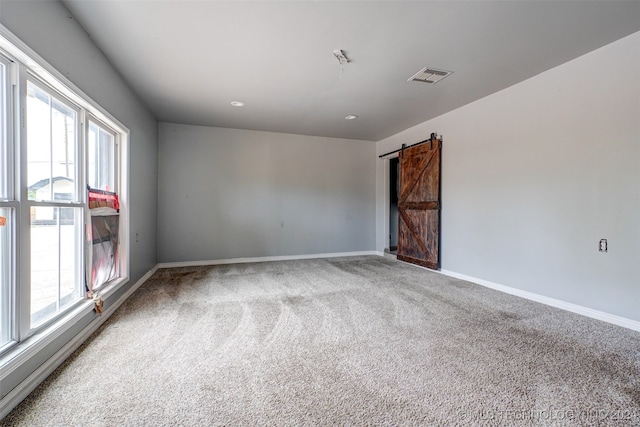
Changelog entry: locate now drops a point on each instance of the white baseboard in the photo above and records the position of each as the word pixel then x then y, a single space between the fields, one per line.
pixel 113 307
pixel 574 308
pixel 22 390
pixel 264 259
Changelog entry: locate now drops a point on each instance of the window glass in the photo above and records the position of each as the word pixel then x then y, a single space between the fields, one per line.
pixel 56 231
pixel 101 154
pixel 51 147
pixel 7 248
pixel 4 148
pixel 6 263
pixel 56 274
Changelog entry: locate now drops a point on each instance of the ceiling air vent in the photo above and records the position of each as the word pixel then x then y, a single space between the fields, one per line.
pixel 429 75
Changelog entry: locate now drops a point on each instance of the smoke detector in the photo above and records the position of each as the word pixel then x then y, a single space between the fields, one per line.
pixel 429 75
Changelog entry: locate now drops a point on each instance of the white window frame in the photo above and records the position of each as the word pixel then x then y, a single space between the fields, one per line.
pixel 25 63
pixel 9 201
pixel 109 287
pixel 116 139
pixel 7 124
pixel 26 328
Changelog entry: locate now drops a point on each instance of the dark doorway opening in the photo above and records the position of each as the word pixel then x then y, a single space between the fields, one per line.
pixel 393 204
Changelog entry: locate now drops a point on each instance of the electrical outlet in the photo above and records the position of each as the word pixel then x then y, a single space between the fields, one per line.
pixel 602 247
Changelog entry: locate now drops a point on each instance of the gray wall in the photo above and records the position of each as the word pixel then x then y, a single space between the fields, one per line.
pixel 47 28
pixel 227 193
pixel 534 176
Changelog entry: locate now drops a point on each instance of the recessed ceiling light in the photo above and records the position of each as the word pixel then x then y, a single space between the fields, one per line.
pixel 351 117
pixel 237 103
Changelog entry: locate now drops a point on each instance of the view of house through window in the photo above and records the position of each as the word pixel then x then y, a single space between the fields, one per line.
pixel 51 147
pixel 56 209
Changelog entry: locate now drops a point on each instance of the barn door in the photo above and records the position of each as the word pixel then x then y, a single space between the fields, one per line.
pixel 419 204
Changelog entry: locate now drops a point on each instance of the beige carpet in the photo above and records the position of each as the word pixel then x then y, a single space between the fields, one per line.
pixel 347 341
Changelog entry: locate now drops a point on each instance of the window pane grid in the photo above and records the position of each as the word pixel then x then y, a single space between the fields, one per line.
pixel 55 260
pixel 5 184
pixel 101 158
pixel 56 247
pixel 51 147
pixel 7 217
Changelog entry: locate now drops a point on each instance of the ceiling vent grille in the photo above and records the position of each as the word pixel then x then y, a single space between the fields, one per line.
pixel 429 75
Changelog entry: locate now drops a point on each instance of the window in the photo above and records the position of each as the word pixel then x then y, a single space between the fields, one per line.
pixel 103 206
pixel 6 264
pixel 7 215
pixel 5 178
pixel 55 204
pixel 101 145
pixel 51 146
pixel 54 144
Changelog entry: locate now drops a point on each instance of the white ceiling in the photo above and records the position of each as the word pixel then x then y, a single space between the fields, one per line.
pixel 187 60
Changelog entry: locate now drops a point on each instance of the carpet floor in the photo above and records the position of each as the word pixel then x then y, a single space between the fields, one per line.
pixel 349 341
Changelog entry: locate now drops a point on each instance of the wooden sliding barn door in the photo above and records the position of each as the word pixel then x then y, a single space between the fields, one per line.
pixel 419 204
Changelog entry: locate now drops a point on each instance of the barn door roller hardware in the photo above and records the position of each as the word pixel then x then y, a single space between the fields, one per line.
pixel 432 139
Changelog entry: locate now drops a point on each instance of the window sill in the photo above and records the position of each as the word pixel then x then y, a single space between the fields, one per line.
pixel 108 289
pixel 22 352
